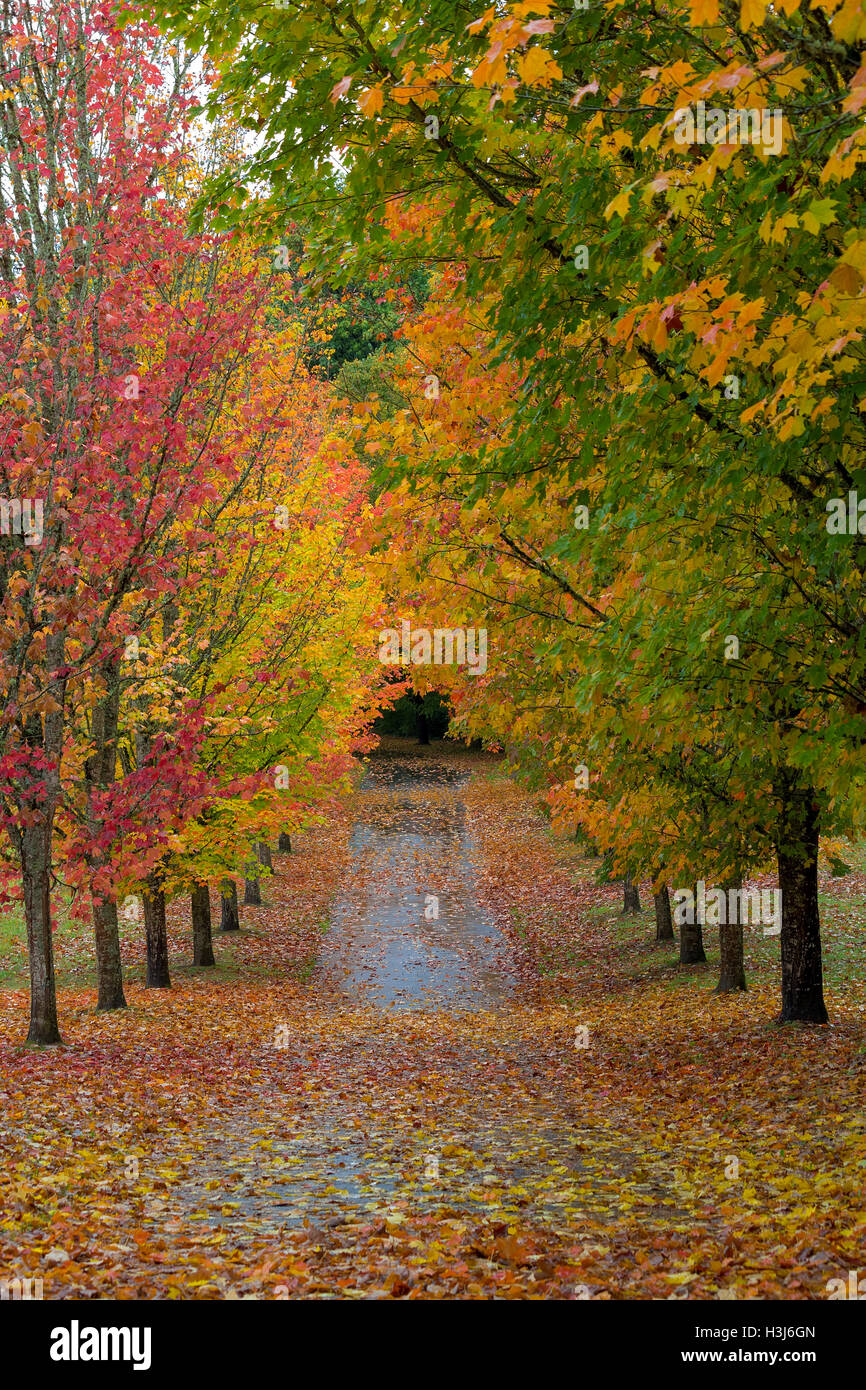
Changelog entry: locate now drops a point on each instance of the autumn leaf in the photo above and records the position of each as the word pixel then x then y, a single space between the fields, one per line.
pixel 538 68
pixel 704 11
pixel 341 88
pixel 752 13
pixel 370 102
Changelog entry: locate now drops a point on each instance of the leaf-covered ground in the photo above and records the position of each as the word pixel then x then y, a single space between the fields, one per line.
pixel 605 1127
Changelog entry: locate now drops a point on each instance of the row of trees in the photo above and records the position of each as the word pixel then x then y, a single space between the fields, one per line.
pixel 633 399
pixel 184 613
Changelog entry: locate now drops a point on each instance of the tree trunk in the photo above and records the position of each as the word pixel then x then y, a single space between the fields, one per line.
pixel 32 841
pixel 664 921
pixel 202 943
pixel 252 893
pixel 35 854
pixel 285 843
pixel 157 938
pixel 630 896
pixel 229 919
pixel 732 975
pixel 109 970
pixel 797 853
pixel 100 768
pixel 263 853
pixel 692 939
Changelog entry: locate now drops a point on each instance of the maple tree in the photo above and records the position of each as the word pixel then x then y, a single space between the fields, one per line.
pixel 100 435
pixel 125 341
pixel 247 692
pixel 650 294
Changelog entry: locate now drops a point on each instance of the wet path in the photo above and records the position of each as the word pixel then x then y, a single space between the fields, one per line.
pixel 418 1083
pixel 407 931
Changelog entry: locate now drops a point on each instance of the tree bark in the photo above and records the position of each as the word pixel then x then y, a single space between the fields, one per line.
pixel 263 853
pixel 630 896
pixel 229 918
pixel 202 942
pixel 797 854
pixel 664 921
pixel 732 975
pixel 252 893
pixel 285 843
pixel 99 773
pixel 32 841
pixel 109 969
pixel 157 937
pixel 692 939
pixel 35 855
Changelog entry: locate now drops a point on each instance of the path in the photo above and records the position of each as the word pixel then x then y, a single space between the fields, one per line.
pixel 407 931
pixel 427 1092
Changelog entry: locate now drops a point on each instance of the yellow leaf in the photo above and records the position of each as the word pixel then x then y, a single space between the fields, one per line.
pixel 818 214
pixel 849 24
pixel 780 228
pixel 797 79
pixel 752 12
pixel 704 11
pixel 846 278
pixel 538 68
pixel 492 69
pixel 371 102
pixel 855 254
pixel 618 205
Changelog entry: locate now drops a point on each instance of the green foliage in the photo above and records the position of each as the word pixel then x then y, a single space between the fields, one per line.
pixel 371 378
pixel 402 717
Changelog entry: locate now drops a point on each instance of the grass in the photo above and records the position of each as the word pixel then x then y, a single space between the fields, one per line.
pixel 841 900
pixel 73 947
pixel 74 962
